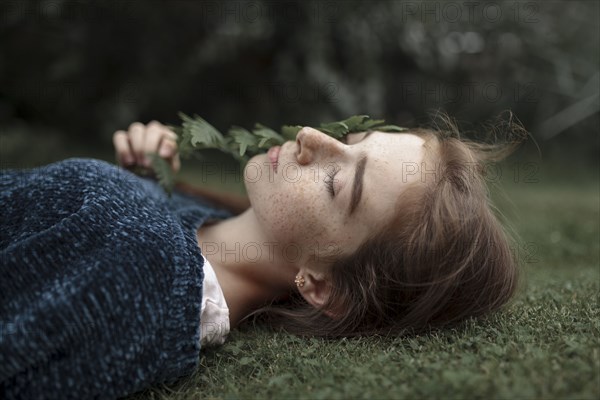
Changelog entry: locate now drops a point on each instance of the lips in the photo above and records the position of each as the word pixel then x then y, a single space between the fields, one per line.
pixel 273 154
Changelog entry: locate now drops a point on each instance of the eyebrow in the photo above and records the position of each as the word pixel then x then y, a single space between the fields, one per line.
pixel 357 187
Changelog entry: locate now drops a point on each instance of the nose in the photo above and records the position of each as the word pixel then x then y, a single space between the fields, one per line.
pixel 314 144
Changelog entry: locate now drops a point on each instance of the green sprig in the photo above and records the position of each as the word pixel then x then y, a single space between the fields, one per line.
pixel 195 135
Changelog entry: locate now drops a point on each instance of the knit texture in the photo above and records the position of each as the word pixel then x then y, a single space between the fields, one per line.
pixel 100 281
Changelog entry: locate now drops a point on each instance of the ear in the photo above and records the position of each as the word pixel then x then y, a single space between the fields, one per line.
pixel 316 290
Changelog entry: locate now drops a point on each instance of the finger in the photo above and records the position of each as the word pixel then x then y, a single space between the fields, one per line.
pixel 176 163
pixel 168 147
pixel 152 141
pixel 136 136
pixel 170 134
pixel 168 150
pixel 123 148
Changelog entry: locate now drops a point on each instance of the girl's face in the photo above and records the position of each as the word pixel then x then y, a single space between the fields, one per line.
pixel 323 197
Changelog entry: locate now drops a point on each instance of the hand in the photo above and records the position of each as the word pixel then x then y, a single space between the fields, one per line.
pixel 132 146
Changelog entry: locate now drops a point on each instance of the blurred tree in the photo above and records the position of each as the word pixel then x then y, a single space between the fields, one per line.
pixel 85 69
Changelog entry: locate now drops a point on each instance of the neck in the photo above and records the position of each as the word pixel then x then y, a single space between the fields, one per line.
pixel 252 270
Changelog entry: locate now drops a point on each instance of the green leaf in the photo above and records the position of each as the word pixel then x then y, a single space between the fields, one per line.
pixel 390 128
pixel 354 121
pixel 289 132
pixel 243 138
pixel 368 124
pixel 268 136
pixel 200 133
pixel 184 144
pixel 335 129
pixel 163 171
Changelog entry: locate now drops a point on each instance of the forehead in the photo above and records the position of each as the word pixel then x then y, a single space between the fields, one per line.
pixel 394 148
pixel 388 137
pixel 394 162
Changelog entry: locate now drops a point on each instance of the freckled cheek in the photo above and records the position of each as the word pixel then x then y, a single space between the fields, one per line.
pixel 291 210
pixel 295 217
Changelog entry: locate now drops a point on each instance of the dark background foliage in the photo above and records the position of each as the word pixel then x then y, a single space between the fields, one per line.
pixel 73 72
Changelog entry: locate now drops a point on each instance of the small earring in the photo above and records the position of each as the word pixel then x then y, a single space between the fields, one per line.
pixel 299 281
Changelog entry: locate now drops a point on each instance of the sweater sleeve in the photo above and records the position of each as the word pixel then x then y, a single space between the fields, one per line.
pixel 100 282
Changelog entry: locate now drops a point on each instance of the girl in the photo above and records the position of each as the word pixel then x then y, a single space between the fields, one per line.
pixel 109 286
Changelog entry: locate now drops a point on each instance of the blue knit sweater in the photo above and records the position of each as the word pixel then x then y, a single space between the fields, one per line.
pixel 100 281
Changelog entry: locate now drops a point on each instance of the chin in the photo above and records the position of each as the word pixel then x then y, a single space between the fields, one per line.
pixel 254 171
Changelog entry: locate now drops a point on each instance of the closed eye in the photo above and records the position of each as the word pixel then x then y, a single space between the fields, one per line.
pixel 329 180
pixel 332 171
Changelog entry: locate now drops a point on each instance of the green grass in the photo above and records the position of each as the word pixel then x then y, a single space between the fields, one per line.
pixel 544 345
